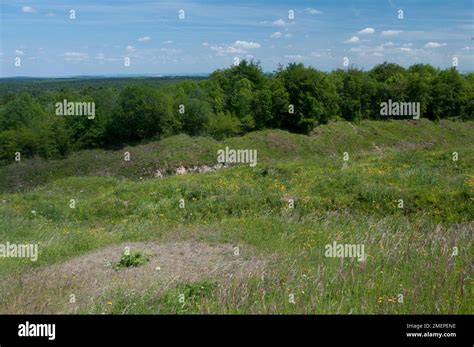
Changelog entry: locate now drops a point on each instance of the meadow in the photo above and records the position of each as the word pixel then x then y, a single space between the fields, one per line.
pixel 249 239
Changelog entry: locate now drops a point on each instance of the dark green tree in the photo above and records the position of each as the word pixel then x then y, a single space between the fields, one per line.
pixel 312 94
pixel 143 113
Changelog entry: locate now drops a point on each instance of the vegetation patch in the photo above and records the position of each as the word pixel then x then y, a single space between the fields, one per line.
pixel 133 259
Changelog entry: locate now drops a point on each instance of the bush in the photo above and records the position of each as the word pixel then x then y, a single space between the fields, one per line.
pixel 224 125
pixel 133 259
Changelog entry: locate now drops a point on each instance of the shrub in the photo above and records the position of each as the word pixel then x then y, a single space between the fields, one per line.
pixel 224 125
pixel 133 259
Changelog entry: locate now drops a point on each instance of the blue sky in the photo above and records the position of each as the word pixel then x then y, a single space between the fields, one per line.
pixel 214 32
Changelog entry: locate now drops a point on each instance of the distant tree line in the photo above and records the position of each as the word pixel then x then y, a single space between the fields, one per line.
pixel 230 102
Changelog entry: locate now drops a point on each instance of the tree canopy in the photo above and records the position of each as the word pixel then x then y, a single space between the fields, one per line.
pixel 229 102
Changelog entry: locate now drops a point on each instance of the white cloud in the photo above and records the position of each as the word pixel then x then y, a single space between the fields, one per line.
pixel 75 56
pixel 313 11
pixel 391 32
pixel 205 44
pixel 353 39
pixel 246 44
pixel 379 48
pixel 467 48
pixel 368 50
pixel 321 53
pixel 275 35
pixel 144 39
pixel 434 45
pixel 19 52
pixel 389 50
pixel 221 50
pixel 288 35
pixel 294 56
pixel 279 23
pixel 167 42
pixel 28 9
pixel 367 31
pixel 413 51
pixel 103 59
pixel 238 47
pixel 130 49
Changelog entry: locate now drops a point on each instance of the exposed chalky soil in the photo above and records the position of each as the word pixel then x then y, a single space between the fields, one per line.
pixel 92 278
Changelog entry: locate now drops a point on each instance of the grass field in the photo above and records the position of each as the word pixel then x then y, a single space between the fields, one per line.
pixel 237 246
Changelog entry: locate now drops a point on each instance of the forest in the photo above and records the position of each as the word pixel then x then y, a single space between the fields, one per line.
pixel 230 102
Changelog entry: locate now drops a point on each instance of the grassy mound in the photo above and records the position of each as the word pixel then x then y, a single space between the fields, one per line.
pixel 273 146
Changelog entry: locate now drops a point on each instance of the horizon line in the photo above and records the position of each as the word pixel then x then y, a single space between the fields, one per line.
pixel 193 74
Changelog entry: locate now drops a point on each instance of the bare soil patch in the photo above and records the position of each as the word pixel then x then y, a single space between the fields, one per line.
pixel 91 277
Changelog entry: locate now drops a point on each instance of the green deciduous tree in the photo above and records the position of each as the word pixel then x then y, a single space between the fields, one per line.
pixel 143 112
pixel 447 95
pixel 313 95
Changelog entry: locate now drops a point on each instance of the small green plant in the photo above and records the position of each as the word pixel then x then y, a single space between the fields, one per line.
pixel 133 259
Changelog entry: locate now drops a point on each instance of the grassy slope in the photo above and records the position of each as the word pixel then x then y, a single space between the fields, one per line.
pixel 409 249
pixel 273 146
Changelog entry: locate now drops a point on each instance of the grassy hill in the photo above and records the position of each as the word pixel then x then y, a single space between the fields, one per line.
pixel 118 203
pixel 273 146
